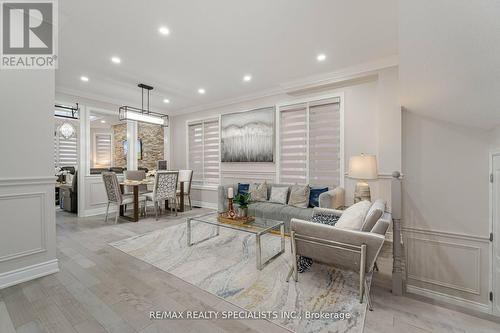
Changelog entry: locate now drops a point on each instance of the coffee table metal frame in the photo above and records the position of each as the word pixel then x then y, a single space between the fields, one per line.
pixel 253 228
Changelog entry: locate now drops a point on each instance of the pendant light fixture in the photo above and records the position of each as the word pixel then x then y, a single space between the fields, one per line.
pixel 143 115
pixel 64 111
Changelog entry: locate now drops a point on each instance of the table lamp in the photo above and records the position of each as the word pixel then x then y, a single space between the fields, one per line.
pixel 363 167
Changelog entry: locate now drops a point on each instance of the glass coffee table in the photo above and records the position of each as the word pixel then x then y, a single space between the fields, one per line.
pixel 258 227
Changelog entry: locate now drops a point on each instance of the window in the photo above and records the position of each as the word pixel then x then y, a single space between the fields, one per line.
pixel 310 149
pixel 203 152
pixel 102 150
pixel 65 143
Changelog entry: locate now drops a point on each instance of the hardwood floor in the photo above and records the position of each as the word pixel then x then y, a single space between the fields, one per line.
pixel 100 289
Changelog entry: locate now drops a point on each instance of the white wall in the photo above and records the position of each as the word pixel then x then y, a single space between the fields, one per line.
pixel 372 125
pixel 27 207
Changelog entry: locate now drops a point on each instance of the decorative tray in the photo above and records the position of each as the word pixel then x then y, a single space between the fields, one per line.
pixel 224 218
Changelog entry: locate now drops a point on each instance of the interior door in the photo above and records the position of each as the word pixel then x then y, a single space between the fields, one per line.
pixel 496 233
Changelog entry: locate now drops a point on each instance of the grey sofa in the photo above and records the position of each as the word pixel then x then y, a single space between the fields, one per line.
pixel 334 198
pixel 352 246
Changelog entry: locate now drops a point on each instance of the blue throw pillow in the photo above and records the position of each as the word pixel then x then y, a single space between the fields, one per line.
pixel 314 196
pixel 243 188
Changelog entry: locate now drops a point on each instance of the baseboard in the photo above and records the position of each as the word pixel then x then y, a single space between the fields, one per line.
pixel 24 274
pixel 204 204
pixel 453 300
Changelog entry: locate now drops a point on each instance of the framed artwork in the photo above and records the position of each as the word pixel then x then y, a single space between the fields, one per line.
pixel 248 136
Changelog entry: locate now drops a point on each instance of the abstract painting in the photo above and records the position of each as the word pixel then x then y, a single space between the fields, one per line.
pixel 248 136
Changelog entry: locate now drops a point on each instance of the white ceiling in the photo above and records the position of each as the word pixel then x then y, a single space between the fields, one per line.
pixel 213 44
pixel 449 60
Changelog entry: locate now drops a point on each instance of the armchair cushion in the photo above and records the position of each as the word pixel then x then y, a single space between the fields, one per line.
pixel 353 217
pixel 374 213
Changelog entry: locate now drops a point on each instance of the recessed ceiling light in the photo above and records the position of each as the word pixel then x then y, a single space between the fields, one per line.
pixel 166 100
pixel 103 121
pixel 164 30
pixel 84 78
pixel 247 78
pixel 201 91
pixel 116 60
pixel 321 57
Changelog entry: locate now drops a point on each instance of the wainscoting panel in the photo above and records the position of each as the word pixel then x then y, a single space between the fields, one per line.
pixel 27 229
pixel 448 266
pixel 27 214
pixel 95 196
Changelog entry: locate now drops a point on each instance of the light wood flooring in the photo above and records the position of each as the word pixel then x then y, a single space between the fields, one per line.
pixel 100 289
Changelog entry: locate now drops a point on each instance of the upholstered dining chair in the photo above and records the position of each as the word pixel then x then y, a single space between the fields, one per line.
pixel 165 188
pixel 137 175
pixel 186 176
pixel 115 195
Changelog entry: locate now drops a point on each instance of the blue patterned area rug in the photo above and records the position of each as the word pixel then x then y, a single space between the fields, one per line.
pixel 225 266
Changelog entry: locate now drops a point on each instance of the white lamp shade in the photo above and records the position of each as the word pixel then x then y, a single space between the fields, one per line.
pixel 363 167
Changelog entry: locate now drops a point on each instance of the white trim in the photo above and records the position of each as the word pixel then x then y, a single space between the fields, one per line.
pixel 448 299
pixel 28 273
pixel 13 181
pixel 445 234
pixel 493 267
pixel 204 187
pixel 204 204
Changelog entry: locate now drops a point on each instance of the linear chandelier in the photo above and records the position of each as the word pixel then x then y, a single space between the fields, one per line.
pixel 143 115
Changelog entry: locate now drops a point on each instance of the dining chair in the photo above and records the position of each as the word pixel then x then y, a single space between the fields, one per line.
pixel 186 176
pixel 165 188
pixel 137 175
pixel 115 195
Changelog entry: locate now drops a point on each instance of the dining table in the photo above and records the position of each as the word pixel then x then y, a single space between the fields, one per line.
pixel 135 186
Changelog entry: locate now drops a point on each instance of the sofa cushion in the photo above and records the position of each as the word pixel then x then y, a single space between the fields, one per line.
pixel 353 217
pixel 258 192
pixel 243 188
pixel 279 195
pixel 374 213
pixel 314 195
pixel 299 196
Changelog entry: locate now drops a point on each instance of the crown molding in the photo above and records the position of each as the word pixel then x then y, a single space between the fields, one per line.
pixel 359 71
pixel 355 74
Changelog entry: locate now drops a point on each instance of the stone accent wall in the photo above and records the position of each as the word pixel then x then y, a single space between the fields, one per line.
pixel 119 135
pixel 152 145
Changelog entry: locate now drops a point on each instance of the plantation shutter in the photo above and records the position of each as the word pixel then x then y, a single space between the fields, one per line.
pixel 211 152
pixel 293 144
pixel 203 154
pixel 324 143
pixel 102 150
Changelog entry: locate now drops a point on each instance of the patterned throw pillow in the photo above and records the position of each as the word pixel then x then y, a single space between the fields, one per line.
pixel 258 192
pixel 243 188
pixel 299 196
pixel 304 263
pixel 314 196
pixel 278 195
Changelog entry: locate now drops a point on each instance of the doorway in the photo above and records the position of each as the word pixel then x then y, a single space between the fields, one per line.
pixel 495 228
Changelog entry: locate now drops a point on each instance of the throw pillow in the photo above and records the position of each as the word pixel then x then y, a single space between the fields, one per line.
pixel 374 213
pixel 278 195
pixel 243 188
pixel 314 195
pixel 353 217
pixel 299 196
pixel 258 192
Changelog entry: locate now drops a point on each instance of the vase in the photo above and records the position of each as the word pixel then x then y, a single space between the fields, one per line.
pixel 242 212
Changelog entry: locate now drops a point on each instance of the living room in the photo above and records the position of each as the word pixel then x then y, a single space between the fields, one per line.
pixel 226 166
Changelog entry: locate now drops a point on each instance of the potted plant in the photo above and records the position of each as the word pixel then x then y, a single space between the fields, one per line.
pixel 242 200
